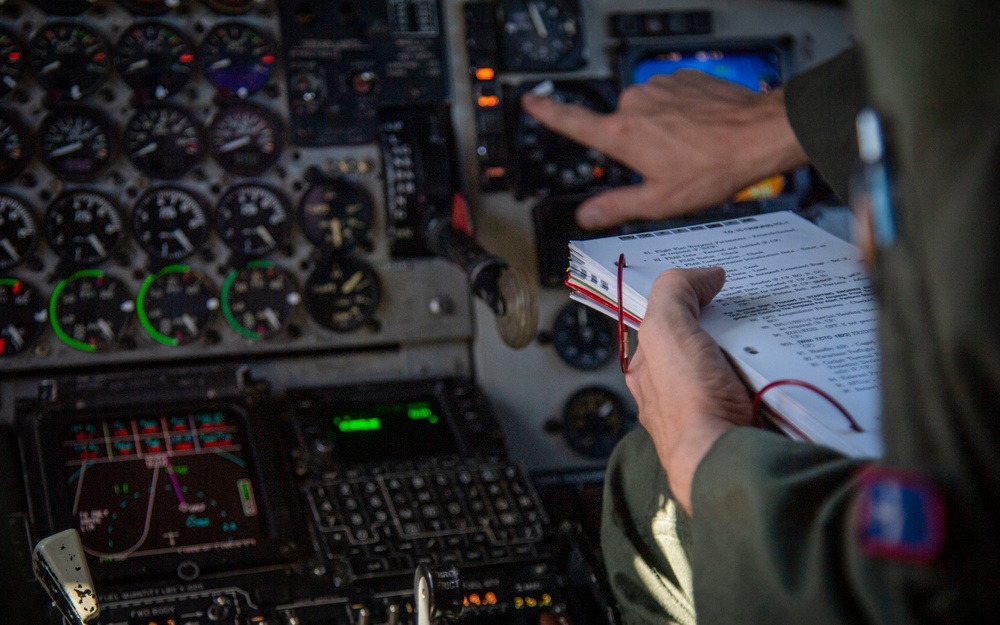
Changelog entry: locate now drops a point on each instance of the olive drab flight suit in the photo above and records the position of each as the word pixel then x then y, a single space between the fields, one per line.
pixel 784 532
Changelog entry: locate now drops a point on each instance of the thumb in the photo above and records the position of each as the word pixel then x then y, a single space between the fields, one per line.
pixel 693 289
pixel 706 283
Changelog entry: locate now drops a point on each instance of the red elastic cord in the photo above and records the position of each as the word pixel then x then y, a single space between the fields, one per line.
pixel 847 415
pixel 622 330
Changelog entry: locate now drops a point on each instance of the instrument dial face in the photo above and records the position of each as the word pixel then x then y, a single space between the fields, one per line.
pixel 342 294
pixel 231 7
pixel 336 216
pixel 155 59
pixel 23 316
pixel 150 7
pixel 164 141
pixel 176 305
pixel 259 301
pixel 540 34
pixel 90 310
pixel 11 62
pixel 76 144
pixel 547 161
pixel 69 59
pixel 253 220
pixel 15 150
pixel 245 139
pixel 18 231
pixel 169 223
pixel 83 227
pixel 594 419
pixel 237 58
pixel 584 338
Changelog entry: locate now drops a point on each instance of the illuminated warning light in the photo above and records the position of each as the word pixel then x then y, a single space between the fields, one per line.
pixel 490 598
pixel 267 59
pixel 496 172
pixel 485 73
pixel 100 57
pixel 14 56
pixel 598 172
pixel 489 101
pixel 763 190
pixel 17 287
pixel 186 58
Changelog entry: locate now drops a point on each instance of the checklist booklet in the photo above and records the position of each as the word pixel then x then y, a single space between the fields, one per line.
pixel 797 305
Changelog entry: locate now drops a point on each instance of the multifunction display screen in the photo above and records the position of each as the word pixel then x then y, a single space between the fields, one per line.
pixel 388 430
pixel 171 483
pixel 759 70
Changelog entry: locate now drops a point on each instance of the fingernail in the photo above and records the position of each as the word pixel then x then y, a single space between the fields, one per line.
pixel 589 215
pixel 543 89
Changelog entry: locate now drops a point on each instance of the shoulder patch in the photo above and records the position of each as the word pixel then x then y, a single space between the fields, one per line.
pixel 900 515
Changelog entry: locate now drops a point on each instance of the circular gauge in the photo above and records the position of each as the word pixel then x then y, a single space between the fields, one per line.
pixel 164 141
pixel 83 227
pixel 75 143
pixel 150 7
pixel 594 419
pixel 169 223
pixel 336 215
pixel 231 7
pixel 245 139
pixel 584 338
pixel 23 314
pixel 18 231
pixel 11 62
pixel 252 219
pixel 15 150
pixel 342 294
pixel 89 310
pixel 64 7
pixel 176 305
pixel 259 300
pixel 237 58
pixel 547 161
pixel 69 58
pixel 541 34
pixel 155 59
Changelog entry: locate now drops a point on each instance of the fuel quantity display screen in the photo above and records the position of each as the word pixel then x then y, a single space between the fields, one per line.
pixel 170 483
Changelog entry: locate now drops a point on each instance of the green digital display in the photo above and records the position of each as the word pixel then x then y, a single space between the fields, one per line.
pixel 361 432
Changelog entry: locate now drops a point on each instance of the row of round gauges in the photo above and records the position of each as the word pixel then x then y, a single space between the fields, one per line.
pixel 72 60
pixel 92 310
pixel 163 141
pixel 85 227
pixel 145 7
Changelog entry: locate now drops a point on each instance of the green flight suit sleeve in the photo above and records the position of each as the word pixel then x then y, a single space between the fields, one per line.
pixel 822 104
pixel 775 524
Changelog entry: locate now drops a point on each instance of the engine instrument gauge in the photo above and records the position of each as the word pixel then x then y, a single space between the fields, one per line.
pixel 245 139
pixel 231 7
pixel 164 141
pixel 169 223
pixel 18 231
pixel 252 219
pixel 336 215
pixel 155 59
pixel 75 143
pixel 23 316
pixel 11 62
pixel 150 7
pixel 90 310
pixel 237 58
pixel 342 294
pixel 176 305
pixel 259 301
pixel 83 227
pixel 541 35
pixel 594 419
pixel 584 338
pixel 15 147
pixel 547 163
pixel 69 59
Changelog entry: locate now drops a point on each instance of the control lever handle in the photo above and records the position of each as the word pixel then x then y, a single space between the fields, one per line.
pixel 505 289
pixel 61 566
pixel 438 593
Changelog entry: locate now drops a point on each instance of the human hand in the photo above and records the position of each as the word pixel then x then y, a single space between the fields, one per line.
pixel 695 139
pixel 687 392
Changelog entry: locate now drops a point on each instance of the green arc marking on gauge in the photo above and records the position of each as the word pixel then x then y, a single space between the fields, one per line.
pixel 227 312
pixel 140 304
pixel 65 338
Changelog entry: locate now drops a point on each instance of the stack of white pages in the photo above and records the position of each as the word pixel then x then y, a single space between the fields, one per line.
pixel 797 305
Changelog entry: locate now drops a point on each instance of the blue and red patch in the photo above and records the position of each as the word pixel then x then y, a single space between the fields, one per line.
pixel 901 515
